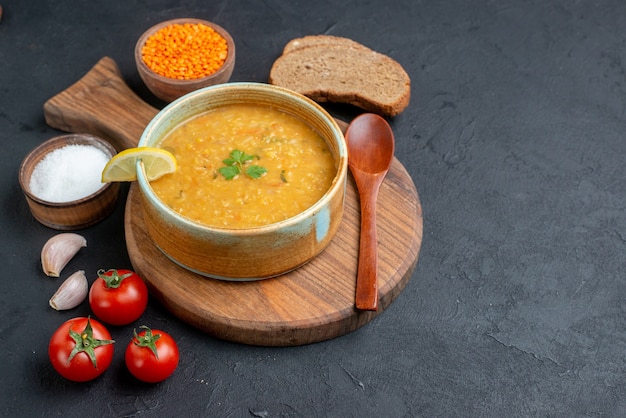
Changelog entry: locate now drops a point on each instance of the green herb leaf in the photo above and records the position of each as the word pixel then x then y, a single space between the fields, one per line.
pixel 234 165
pixel 229 161
pixel 237 155
pixel 229 172
pixel 245 158
pixel 255 171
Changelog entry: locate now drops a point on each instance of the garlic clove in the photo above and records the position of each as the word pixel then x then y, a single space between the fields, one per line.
pixel 59 250
pixel 71 293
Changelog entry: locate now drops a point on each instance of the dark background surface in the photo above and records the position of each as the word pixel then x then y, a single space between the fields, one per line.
pixel 515 140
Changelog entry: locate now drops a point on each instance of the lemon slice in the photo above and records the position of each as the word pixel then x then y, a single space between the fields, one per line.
pixel 122 167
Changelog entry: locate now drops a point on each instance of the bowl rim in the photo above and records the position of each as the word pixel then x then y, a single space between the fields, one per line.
pixel 230 56
pixel 338 182
pixel 66 138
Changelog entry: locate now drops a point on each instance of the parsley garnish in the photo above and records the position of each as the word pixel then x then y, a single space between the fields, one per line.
pixel 235 166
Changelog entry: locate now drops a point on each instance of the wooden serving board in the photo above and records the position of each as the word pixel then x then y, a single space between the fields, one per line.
pixel 311 304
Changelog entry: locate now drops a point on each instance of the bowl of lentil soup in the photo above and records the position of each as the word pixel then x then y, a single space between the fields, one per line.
pixel 179 56
pixel 260 185
pixel 61 181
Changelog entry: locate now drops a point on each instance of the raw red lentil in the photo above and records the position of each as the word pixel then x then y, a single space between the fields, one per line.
pixel 185 51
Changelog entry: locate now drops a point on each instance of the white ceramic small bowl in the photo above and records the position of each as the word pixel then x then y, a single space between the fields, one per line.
pixel 253 253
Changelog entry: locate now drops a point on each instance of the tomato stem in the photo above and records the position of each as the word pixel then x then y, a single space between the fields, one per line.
pixel 112 278
pixel 147 340
pixel 86 343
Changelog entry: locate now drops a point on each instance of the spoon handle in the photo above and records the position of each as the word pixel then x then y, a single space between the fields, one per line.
pixel 367 270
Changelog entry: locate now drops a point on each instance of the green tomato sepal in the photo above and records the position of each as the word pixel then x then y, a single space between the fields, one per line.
pixel 147 340
pixel 86 343
pixel 112 278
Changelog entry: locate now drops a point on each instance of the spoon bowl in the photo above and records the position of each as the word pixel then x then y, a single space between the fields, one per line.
pixel 371 146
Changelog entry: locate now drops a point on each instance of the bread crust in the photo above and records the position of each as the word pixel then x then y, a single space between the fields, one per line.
pixel 317 40
pixel 332 69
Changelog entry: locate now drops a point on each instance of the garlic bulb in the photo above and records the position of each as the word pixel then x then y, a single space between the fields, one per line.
pixel 71 293
pixel 59 250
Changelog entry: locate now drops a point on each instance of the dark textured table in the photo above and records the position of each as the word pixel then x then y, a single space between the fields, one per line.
pixel 515 140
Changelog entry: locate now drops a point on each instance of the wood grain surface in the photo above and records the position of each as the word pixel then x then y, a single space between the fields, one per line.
pixel 313 303
pixel 102 104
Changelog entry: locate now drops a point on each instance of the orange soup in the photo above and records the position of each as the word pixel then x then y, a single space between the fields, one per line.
pixel 242 166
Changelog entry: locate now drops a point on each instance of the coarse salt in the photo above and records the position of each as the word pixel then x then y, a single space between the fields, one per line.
pixel 69 173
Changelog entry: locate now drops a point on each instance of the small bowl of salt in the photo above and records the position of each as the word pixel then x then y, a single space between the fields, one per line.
pixel 61 179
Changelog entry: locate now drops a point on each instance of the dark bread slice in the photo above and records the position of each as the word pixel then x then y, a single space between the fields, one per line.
pixel 329 72
pixel 316 40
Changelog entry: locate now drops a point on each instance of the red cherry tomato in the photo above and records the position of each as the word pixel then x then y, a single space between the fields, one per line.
pixel 81 349
pixel 152 355
pixel 118 297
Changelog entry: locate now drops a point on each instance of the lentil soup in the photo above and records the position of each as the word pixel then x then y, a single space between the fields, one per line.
pixel 299 167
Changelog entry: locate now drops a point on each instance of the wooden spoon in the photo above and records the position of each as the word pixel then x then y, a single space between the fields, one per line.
pixel 370 153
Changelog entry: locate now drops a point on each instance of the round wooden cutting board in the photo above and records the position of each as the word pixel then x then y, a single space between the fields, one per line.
pixel 311 304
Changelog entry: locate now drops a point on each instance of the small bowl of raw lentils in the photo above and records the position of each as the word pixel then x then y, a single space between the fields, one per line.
pixel 179 56
pixel 61 180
